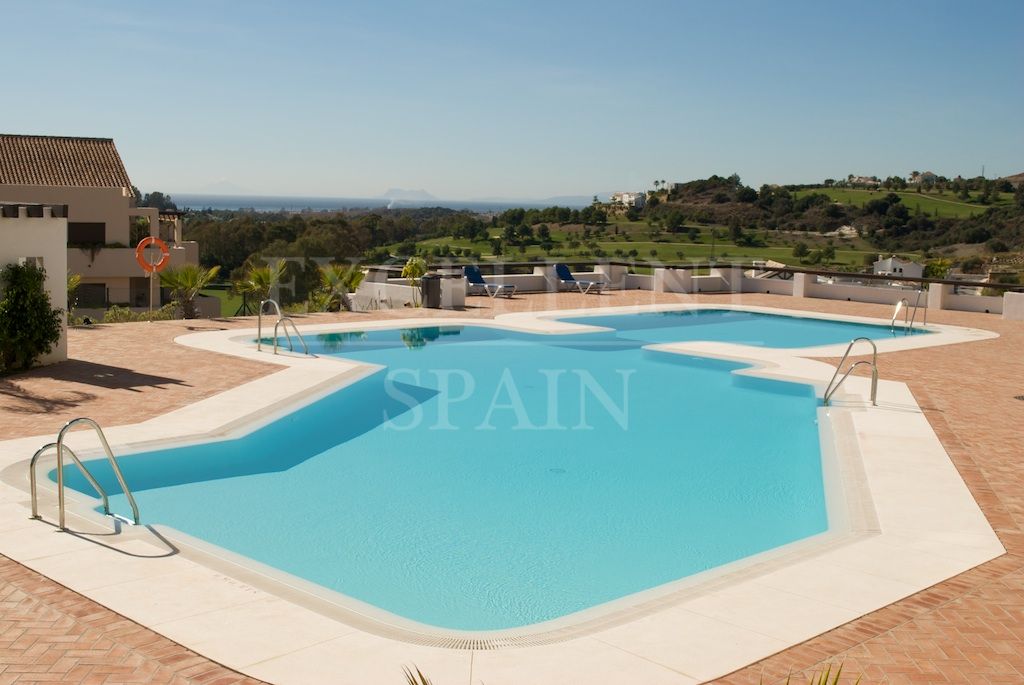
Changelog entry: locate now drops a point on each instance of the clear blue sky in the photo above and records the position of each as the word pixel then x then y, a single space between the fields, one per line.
pixel 524 99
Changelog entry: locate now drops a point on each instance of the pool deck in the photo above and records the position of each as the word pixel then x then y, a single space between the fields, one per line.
pixel 966 629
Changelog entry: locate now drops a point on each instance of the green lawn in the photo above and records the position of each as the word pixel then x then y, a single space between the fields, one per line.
pixel 680 248
pixel 933 204
pixel 229 302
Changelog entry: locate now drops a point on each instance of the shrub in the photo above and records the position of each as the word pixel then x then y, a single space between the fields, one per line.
pixel 29 325
pixel 118 314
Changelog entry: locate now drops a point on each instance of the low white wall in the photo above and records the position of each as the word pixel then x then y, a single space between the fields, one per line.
pixel 43 237
pixel 769 286
pixel 709 284
pixel 639 282
pixel 974 303
pixel 397 294
pixel 858 293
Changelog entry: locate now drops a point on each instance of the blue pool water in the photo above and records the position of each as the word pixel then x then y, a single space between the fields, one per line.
pixel 484 479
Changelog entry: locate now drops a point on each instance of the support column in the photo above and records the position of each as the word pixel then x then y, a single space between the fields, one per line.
pixel 1013 306
pixel 937 293
pixel 799 285
pixel 673 281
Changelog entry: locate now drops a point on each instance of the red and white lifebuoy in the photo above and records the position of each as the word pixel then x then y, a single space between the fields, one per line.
pixel 140 254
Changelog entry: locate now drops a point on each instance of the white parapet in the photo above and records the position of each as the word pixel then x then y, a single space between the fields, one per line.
pixel 1013 306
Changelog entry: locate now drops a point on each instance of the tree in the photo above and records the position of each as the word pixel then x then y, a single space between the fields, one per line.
pixel 259 280
pixel 185 282
pixel 336 282
pixel 1018 195
pixel 158 200
pixel 29 325
pixel 800 250
pixel 735 230
pixel 674 221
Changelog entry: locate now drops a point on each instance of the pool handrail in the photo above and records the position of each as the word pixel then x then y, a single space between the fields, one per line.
pixel 909 313
pixel 259 320
pixel 33 489
pixel 833 385
pixel 61 449
pixel 291 348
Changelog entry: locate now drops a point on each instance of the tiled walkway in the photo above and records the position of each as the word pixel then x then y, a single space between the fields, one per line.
pixel 969 629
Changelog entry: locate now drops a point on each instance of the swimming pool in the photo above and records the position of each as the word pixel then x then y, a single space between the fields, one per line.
pixel 484 479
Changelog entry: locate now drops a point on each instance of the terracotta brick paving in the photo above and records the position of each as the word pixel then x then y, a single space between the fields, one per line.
pixel 969 629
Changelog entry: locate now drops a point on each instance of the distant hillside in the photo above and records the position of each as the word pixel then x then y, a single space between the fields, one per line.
pixel 1016 179
pixel 889 220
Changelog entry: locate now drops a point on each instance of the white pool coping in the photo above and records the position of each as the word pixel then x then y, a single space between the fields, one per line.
pixel 911 522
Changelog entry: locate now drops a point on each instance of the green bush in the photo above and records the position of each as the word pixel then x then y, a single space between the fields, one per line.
pixel 118 314
pixel 29 324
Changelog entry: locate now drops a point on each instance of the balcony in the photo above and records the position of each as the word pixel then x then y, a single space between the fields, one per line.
pixel 119 262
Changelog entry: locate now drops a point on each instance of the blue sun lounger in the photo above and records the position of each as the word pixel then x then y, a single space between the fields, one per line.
pixel 475 281
pixel 565 278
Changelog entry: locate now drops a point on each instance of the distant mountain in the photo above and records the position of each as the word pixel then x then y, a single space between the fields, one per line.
pixel 1016 179
pixel 405 194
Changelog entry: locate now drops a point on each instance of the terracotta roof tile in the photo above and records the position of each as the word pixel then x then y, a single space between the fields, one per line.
pixel 61 161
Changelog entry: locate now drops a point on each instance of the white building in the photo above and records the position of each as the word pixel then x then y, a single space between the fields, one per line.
pixel 38 234
pixel 894 266
pixel 629 199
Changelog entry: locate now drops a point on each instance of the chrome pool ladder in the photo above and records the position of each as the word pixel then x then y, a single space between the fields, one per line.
pixel 282 320
pixel 833 385
pixel 63 449
pixel 909 313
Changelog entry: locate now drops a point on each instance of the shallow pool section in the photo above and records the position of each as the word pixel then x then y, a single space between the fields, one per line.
pixel 483 479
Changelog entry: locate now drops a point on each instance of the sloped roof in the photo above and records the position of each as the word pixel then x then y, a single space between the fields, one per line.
pixel 61 161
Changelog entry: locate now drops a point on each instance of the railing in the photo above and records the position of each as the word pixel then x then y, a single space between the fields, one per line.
pixel 259 321
pixel 286 320
pixel 61 449
pixel 909 313
pixel 281 320
pixel 833 385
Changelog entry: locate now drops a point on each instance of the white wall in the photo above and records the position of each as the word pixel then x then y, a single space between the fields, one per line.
pixel 974 303
pixel 106 205
pixel 47 238
pixel 770 286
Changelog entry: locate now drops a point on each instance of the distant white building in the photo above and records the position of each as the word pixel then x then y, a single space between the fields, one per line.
pixel 637 200
pixel 894 266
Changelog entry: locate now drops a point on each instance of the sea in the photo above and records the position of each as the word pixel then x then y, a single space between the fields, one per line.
pixel 285 203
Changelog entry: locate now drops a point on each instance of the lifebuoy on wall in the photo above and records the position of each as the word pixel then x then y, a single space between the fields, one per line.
pixel 140 254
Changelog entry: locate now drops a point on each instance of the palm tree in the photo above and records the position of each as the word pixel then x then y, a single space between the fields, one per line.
pixel 185 282
pixel 336 282
pixel 259 280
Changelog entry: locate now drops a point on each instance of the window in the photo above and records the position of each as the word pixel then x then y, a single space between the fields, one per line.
pixel 91 295
pixel 87 233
